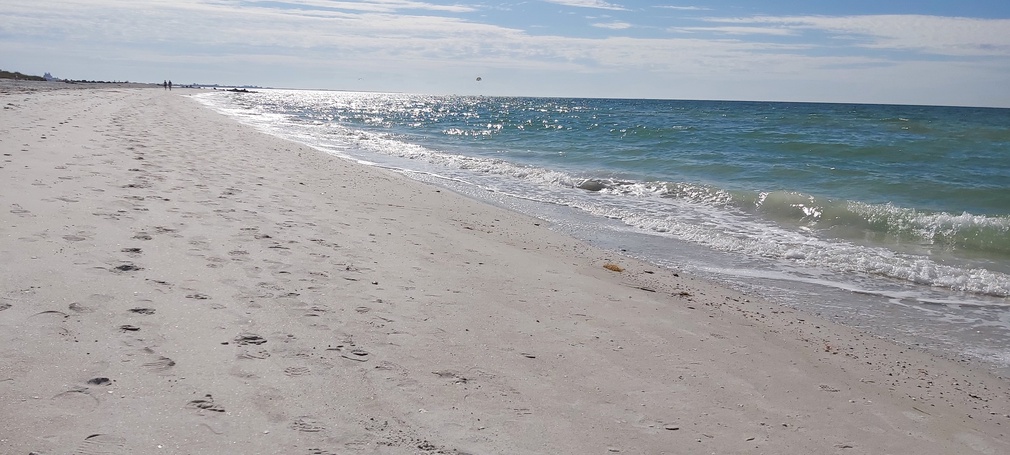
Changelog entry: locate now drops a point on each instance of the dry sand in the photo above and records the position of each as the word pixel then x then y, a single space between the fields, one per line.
pixel 174 282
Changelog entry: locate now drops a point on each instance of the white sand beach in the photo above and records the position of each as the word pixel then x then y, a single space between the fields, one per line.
pixel 173 282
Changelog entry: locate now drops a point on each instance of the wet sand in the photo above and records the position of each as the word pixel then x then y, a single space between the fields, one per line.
pixel 174 282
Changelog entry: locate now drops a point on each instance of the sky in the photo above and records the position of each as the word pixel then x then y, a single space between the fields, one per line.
pixel 941 52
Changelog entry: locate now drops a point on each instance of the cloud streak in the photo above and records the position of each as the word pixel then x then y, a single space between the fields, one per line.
pixel 613 25
pixel 683 8
pixel 740 30
pixel 948 36
pixel 598 4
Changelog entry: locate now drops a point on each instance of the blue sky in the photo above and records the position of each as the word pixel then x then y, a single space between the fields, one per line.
pixel 907 52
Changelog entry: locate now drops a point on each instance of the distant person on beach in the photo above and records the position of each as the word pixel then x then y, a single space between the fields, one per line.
pixel 170 85
pixel 165 84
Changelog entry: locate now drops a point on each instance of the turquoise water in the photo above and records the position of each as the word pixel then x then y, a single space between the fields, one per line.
pixel 900 212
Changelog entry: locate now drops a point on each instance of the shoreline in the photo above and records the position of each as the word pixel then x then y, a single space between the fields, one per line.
pixel 953 324
pixel 238 292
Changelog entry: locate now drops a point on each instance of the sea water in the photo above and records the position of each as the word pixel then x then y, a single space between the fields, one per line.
pixel 893 219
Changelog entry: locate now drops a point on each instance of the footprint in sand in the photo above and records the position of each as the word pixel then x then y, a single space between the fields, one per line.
pixel 229 192
pixel 156 363
pixel 164 230
pixel 307 425
pixel 51 323
pixel 246 338
pixel 20 211
pixel 48 316
pixel 392 369
pixel 315 311
pixel 161 363
pixel 452 376
pixel 215 262
pixel 254 354
pixel 299 354
pixel 297 371
pixel 102 444
pixel 206 404
pixel 99 381
pixel 78 308
pixel 355 354
pixel 327 452
pixel 76 400
pixel 127 267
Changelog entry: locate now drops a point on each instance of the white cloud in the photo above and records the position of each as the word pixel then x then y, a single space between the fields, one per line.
pixel 738 30
pixel 588 4
pixel 613 25
pixel 949 36
pixel 683 8
pixel 378 6
pixel 370 32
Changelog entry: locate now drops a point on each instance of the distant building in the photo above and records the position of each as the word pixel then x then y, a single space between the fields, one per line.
pixel 48 77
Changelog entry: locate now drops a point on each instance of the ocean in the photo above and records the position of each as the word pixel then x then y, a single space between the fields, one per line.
pixel 891 219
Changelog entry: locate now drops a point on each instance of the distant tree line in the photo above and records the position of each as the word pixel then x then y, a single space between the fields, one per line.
pixel 16 75
pixel 4 74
